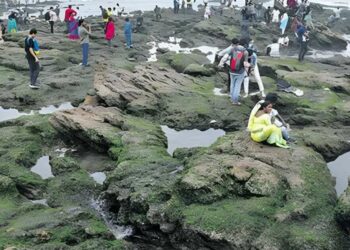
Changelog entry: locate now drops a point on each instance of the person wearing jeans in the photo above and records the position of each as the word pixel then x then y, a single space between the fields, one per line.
pixel 128 32
pixel 236 84
pixel 239 55
pixel 84 33
pixel 33 61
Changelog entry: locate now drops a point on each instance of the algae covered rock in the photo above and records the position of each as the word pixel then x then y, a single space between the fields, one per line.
pixel 181 61
pixel 198 70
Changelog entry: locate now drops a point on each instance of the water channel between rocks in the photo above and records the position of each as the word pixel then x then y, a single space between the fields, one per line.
pixel 190 138
pixel 8 114
pixel 340 169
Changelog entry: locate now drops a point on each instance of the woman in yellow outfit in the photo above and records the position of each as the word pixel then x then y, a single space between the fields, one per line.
pixel 261 128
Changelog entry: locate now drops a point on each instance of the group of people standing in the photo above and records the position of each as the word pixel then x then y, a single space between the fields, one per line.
pixel 265 124
pixel 77 29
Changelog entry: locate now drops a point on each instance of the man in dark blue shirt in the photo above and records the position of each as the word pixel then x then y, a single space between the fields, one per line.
pixel 33 61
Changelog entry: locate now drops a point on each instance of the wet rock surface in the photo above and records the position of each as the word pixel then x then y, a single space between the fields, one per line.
pixel 235 194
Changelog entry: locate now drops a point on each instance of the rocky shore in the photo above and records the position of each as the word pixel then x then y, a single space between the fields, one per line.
pixel 235 194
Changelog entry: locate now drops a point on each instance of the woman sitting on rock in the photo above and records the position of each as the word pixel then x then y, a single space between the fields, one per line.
pixel 261 129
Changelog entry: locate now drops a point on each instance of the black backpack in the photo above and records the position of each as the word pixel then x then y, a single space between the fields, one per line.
pixel 47 16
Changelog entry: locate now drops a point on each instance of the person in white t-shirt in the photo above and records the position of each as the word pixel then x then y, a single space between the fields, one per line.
pixel 276 15
pixel 273 49
pixel 53 18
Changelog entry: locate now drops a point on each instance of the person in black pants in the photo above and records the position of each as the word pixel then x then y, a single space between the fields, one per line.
pixel 304 41
pixel 33 61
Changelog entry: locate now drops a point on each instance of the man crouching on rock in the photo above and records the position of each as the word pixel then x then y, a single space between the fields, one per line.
pixel 33 61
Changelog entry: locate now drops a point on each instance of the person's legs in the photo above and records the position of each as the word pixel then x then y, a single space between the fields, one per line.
pixel 31 70
pixel 67 26
pixel 36 73
pixel 246 85
pixel 85 47
pixel 258 80
pixel 304 50
pixel 109 43
pixel 51 25
pixel 236 84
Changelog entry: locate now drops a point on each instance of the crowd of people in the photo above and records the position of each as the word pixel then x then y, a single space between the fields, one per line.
pixel 240 59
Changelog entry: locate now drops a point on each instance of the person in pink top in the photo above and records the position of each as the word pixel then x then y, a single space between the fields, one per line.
pixel 110 31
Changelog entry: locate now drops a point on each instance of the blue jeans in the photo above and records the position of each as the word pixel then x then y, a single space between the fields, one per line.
pixel 235 87
pixel 85 47
pixel 128 39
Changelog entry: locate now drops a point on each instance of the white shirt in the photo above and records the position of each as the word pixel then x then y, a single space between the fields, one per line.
pixel 275 15
pixel 275 49
pixel 53 16
pixel 337 13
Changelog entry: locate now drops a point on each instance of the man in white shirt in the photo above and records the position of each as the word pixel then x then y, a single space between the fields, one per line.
pixel 273 49
pixel 275 15
pixel 53 18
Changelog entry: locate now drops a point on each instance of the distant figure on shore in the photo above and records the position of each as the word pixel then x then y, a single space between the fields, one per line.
pixel 207 12
pixel 128 33
pixel 284 22
pixel 84 34
pixel 11 25
pixel 275 15
pixel 1 39
pixel 261 128
pixel 110 31
pixel 53 19
pixel 303 36
pixel 176 6
pixel 58 11
pixel 32 58
pixel 73 26
pixel 67 15
pixel 157 13
pixel 268 15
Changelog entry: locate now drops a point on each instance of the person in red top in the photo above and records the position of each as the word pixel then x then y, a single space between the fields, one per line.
pixel 110 31
pixel 67 15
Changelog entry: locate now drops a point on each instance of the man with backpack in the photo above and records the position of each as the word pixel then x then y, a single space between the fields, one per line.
pixel 51 17
pixel 238 57
pixel 33 61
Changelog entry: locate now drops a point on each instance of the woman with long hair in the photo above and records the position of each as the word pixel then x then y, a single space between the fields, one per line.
pixel 261 128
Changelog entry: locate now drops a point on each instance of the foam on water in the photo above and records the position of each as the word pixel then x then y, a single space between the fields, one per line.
pixel 119 232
